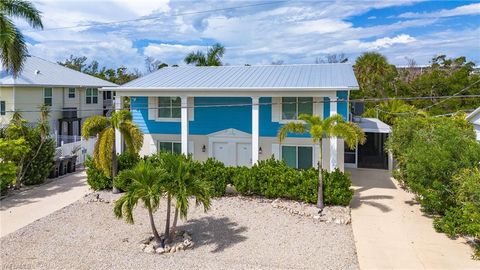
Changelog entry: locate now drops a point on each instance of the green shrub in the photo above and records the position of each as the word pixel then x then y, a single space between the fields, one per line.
pixel 42 164
pixel 274 179
pixel 95 177
pixel 126 161
pixel 216 175
pixel 336 188
pixel 7 175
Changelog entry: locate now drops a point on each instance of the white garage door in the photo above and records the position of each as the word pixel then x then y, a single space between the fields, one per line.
pixel 244 154
pixel 222 152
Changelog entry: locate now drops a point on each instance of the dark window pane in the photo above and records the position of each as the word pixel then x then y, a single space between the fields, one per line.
pixel 165 147
pixel 48 101
pixel 304 157
pixel 89 91
pixel 289 108
pixel 2 108
pixel 177 148
pixel 289 155
pixel 95 100
pixel 305 105
pixel 89 100
pixel 71 92
pixel 164 113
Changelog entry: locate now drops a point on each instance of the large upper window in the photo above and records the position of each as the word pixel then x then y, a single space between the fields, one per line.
pixel 2 108
pixel 300 157
pixel 292 107
pixel 172 147
pixel 92 96
pixel 71 92
pixel 47 96
pixel 169 107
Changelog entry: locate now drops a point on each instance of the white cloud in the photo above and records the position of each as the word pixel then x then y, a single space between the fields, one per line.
pixel 320 26
pixel 175 53
pixel 387 42
pixel 472 9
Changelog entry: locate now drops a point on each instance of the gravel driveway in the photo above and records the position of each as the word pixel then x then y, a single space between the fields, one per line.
pixel 237 233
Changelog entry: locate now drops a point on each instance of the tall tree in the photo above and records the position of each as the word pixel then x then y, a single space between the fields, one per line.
pixel 212 58
pixel 374 74
pixel 146 185
pixel 12 43
pixel 104 153
pixel 333 126
pixel 152 64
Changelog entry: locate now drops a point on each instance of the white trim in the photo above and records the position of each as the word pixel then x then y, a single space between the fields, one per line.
pixel 118 135
pixel 184 124
pixel 301 92
pixel 351 165
pixel 255 129
pixel 333 140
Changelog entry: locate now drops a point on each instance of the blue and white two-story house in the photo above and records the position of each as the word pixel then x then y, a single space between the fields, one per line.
pixel 233 113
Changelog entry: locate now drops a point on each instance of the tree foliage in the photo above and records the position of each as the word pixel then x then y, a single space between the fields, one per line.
pixel 211 58
pixel 120 75
pixel 13 49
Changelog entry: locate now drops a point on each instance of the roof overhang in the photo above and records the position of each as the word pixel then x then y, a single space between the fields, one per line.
pixel 373 125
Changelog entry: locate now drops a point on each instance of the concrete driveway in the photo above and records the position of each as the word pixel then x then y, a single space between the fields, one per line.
pixel 391 232
pixel 23 208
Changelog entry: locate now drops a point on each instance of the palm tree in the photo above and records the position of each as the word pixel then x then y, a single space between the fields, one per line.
pixel 214 54
pixel 181 184
pixel 333 126
pixel 104 153
pixel 12 43
pixel 374 73
pixel 146 185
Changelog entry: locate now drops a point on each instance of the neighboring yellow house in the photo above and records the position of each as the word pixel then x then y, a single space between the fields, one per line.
pixel 73 96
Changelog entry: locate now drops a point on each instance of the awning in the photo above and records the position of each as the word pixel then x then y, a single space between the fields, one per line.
pixel 373 125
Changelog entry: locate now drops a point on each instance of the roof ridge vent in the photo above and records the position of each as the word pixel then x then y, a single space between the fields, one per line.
pixel 37 71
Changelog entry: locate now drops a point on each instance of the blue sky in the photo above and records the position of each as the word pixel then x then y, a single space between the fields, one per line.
pixel 255 32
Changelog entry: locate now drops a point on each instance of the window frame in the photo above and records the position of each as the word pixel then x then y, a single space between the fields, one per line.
pixel 172 147
pixel 296 153
pixel 296 109
pixel 70 92
pixel 45 97
pixel 171 107
pixel 3 107
pixel 91 98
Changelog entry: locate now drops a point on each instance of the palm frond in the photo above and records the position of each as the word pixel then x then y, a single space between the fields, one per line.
pixel 94 125
pixel 105 142
pixel 291 127
pixel 22 9
pixel 132 136
pixel 197 58
pixel 12 45
pixel 214 54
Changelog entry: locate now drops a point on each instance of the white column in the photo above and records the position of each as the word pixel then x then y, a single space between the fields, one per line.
pixel 255 132
pixel 184 124
pixel 118 135
pixel 333 140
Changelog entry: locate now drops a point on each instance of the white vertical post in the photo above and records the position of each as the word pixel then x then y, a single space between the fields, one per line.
pixel 184 125
pixel 118 135
pixel 255 130
pixel 333 140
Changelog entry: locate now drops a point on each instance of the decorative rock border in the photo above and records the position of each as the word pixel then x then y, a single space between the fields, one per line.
pixel 148 245
pixel 330 214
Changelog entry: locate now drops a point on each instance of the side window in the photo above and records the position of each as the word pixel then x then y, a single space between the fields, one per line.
pixel 71 92
pixel 300 157
pixel 169 107
pixel 172 147
pixel 91 96
pixel 292 107
pixel 2 108
pixel 47 96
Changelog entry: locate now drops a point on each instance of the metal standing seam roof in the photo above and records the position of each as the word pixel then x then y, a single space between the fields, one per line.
pixel 314 76
pixel 40 72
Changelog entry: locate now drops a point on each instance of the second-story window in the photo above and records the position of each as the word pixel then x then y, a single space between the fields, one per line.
pixel 71 92
pixel 292 107
pixel 169 107
pixel 47 96
pixel 2 108
pixel 92 96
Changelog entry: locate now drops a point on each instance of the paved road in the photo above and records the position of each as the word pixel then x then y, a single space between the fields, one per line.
pixel 21 209
pixel 391 232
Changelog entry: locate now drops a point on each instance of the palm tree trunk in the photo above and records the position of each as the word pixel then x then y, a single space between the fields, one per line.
pixel 174 225
pixel 320 179
pixel 156 236
pixel 115 190
pixel 167 223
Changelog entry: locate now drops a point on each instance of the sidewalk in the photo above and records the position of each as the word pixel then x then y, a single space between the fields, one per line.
pixel 21 209
pixel 392 233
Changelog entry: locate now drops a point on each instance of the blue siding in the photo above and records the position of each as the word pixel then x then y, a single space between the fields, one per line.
pixel 212 119
pixel 326 107
pixel 342 106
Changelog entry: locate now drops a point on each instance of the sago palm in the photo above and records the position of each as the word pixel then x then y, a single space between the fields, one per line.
pixel 213 57
pixel 12 43
pixel 104 153
pixel 146 185
pixel 333 126
pixel 180 184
